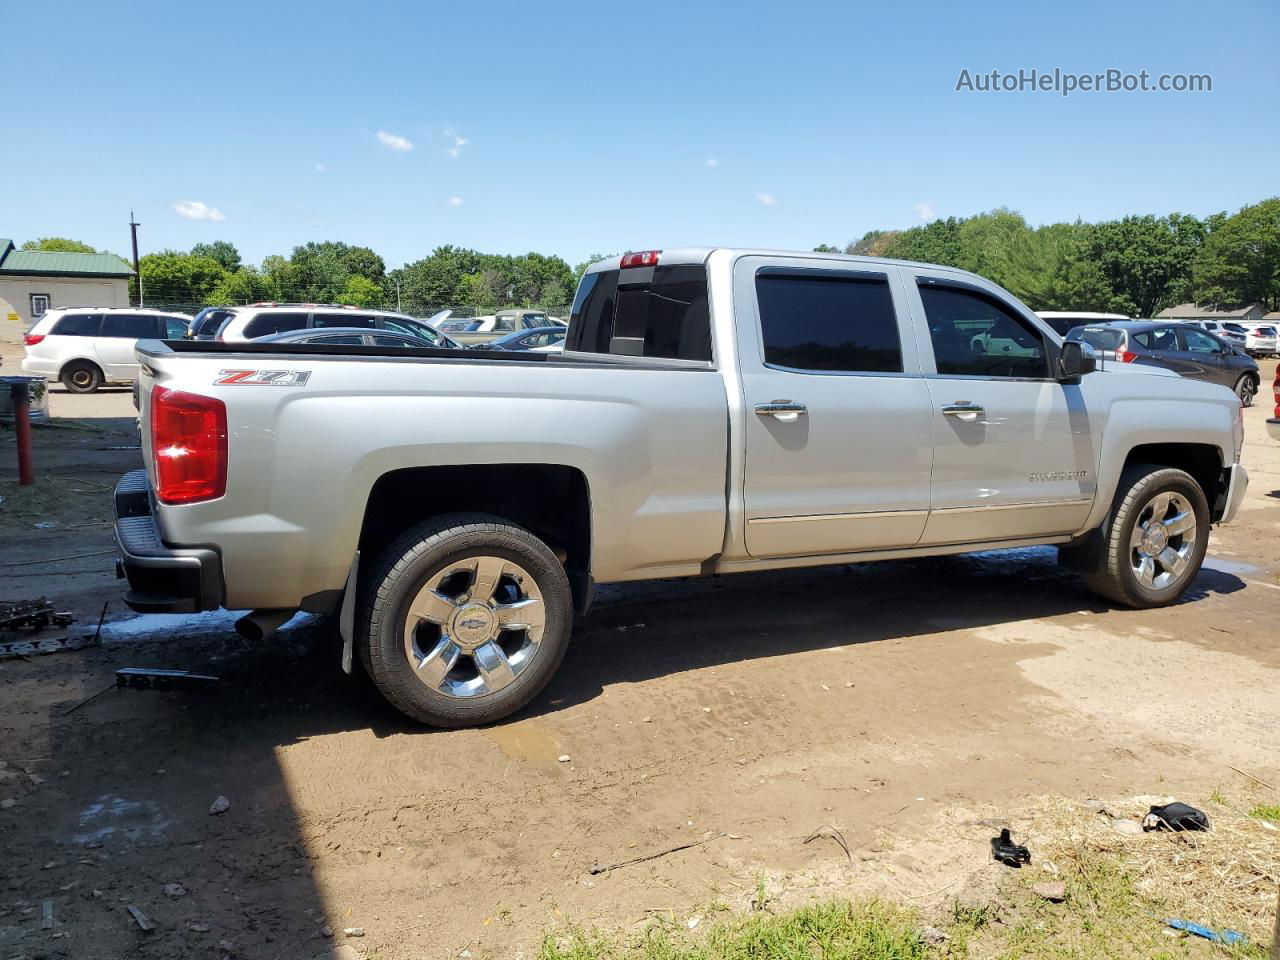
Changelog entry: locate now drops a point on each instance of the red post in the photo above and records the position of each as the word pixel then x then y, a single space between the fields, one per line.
pixel 21 396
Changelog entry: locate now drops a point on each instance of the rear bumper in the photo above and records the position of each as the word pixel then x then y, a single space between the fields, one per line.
pixel 1237 484
pixel 1273 428
pixel 40 367
pixel 162 579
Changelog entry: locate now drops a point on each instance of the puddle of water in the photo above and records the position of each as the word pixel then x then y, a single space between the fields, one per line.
pixel 527 740
pixel 111 816
pixel 1228 566
pixel 148 625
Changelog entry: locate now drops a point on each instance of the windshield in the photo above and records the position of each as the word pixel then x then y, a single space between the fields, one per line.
pixel 1266 331
pixel 1234 328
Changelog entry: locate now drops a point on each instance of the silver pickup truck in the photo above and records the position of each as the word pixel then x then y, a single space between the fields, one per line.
pixel 715 411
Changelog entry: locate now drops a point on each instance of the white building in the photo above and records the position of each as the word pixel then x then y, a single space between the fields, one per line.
pixel 33 281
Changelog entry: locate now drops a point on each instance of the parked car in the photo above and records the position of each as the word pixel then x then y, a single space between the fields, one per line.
pixel 361 336
pixel 251 323
pixel 85 347
pixel 1183 348
pixel 544 338
pixel 487 329
pixel 1227 330
pixel 1063 321
pixel 209 321
pixel 1260 340
pixel 456 512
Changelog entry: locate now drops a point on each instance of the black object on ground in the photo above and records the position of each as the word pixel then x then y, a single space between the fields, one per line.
pixel 36 614
pixel 1175 816
pixel 142 678
pixel 1007 852
pixel 597 869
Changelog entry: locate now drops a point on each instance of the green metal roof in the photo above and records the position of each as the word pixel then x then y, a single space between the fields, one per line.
pixel 46 264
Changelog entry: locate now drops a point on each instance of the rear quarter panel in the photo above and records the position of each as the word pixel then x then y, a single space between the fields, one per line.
pixel 302 460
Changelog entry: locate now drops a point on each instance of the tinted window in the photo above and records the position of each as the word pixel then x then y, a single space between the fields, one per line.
pixel 1162 339
pixel 1234 328
pixel 1100 338
pixel 130 326
pixel 341 320
pixel 348 339
pixel 78 325
pixel 828 323
pixel 412 328
pixel 175 328
pixel 391 340
pixel 1198 342
pixel 208 324
pixel 634 313
pixel 975 335
pixel 532 320
pixel 265 324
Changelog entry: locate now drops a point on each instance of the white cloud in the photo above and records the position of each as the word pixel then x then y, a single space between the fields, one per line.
pixel 393 141
pixel 925 212
pixel 455 201
pixel 458 143
pixel 712 162
pixel 321 168
pixel 767 199
pixel 195 210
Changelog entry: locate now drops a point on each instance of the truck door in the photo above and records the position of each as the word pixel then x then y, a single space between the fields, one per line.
pixel 1013 453
pixel 837 431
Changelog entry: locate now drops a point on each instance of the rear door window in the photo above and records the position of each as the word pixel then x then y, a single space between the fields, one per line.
pixel 974 334
pixel 175 328
pixel 78 325
pixel 825 322
pixel 1164 339
pixel 341 320
pixel 265 324
pixel 130 326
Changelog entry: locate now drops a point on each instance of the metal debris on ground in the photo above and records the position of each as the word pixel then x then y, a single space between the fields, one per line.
pixel 46 915
pixel 143 678
pixel 597 869
pixel 36 648
pixel 1005 851
pixel 141 919
pixel 31 615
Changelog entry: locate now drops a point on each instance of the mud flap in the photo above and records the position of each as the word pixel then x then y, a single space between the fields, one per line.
pixel 347 615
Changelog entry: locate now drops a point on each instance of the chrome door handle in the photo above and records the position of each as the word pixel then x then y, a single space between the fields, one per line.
pixel 964 410
pixel 784 410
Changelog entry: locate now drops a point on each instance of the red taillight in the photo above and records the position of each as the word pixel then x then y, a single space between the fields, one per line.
pixel 31 339
pixel 1275 392
pixel 188 446
pixel 1126 356
pixel 648 258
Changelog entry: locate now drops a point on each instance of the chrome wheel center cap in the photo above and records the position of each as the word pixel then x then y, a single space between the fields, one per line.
pixel 1154 539
pixel 473 625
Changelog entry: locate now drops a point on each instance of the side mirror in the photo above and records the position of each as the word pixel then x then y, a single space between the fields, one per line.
pixel 1075 361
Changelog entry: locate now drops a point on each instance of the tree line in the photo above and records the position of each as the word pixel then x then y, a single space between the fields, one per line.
pixel 1137 265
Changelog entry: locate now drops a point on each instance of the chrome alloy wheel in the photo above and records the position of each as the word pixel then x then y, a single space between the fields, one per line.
pixel 474 627
pixel 1163 540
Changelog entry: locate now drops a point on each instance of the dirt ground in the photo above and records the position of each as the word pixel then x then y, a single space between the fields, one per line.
pixel 899 703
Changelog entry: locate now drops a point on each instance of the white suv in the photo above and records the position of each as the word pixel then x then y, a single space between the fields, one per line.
pixel 85 347
pixel 250 323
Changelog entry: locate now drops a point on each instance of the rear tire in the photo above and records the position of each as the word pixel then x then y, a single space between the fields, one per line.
pixel 81 376
pixel 466 618
pixel 1246 390
pixel 1142 566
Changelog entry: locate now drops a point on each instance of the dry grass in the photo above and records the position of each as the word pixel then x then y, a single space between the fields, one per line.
pixel 1225 877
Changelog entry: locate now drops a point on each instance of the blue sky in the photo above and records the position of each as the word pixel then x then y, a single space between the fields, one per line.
pixel 574 129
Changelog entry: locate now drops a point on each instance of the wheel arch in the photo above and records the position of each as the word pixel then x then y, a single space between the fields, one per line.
pixel 551 501
pixel 1203 461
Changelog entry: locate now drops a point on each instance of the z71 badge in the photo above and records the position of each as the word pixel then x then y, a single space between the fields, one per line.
pixel 263 378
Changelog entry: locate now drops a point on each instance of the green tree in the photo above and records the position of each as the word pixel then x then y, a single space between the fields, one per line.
pixel 178 279
pixel 1145 261
pixel 826 248
pixel 581 268
pixel 363 262
pixel 474 291
pixel 981 240
pixel 58 245
pixel 246 285
pixel 362 292
pixel 227 256
pixel 1239 263
pixel 936 242
pixel 1047 269
pixel 873 243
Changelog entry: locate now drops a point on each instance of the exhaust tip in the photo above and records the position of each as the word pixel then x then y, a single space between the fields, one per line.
pixel 261 624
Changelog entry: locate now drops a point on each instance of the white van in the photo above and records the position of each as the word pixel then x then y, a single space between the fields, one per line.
pixel 85 347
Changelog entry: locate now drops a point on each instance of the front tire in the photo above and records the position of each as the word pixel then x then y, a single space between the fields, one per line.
pixel 1156 540
pixel 80 376
pixel 466 619
pixel 1246 390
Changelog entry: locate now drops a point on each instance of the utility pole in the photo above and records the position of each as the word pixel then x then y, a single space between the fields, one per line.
pixel 137 274
pixel 398 310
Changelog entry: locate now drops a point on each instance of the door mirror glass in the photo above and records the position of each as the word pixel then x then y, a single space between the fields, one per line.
pixel 1076 360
